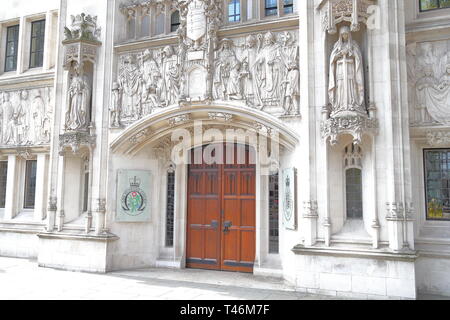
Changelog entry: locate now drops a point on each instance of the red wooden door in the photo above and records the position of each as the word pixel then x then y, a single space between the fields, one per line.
pixel 221 212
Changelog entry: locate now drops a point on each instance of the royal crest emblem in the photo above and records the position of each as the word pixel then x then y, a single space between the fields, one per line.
pixel 134 199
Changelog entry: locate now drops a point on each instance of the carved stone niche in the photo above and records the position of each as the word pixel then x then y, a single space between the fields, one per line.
pixel 336 11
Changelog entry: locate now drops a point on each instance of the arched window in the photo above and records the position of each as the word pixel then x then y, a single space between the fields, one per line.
pixel 353 192
pixel 174 21
pixel 234 10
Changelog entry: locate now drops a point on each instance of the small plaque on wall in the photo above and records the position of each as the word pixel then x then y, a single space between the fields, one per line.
pixel 289 209
pixel 133 203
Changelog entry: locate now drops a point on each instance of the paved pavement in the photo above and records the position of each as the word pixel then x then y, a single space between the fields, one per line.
pixel 23 279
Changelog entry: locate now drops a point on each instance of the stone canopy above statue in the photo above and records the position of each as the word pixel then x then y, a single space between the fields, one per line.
pixel 260 70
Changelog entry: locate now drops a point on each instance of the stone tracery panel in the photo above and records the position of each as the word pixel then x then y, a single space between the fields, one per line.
pixel 26 116
pixel 428 66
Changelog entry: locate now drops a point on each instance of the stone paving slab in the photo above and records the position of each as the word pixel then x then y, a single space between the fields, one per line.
pixel 23 279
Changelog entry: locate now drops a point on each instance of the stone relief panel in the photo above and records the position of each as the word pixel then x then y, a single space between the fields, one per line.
pixel 26 116
pixel 261 70
pixel 428 66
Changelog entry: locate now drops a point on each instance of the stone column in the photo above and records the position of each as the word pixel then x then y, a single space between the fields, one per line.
pixel 21 50
pixel 48 40
pixel 41 173
pixel 61 193
pixel 11 188
pixel 306 159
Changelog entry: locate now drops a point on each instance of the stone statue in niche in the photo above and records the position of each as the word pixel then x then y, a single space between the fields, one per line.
pixel 267 68
pixel 79 102
pixel 116 107
pixel 346 83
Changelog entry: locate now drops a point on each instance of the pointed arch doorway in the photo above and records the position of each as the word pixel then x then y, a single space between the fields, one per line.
pixel 221 209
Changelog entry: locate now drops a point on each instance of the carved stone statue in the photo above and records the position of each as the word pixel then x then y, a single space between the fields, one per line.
pixel 225 57
pixel 267 68
pixel 291 89
pixel 130 82
pixel 234 86
pixel 171 72
pixel 115 106
pixel 79 102
pixel 346 83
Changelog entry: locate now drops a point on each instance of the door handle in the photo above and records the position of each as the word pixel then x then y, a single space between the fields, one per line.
pixel 226 226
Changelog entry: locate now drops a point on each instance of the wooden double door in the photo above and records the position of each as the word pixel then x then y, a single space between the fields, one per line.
pixel 221 215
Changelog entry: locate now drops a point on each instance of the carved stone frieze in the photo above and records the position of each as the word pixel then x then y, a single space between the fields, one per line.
pixel 438 138
pixel 26 117
pixel 260 70
pixel 428 66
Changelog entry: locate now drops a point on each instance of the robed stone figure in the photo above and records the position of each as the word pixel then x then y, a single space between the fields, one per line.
pixel 79 102
pixel 346 83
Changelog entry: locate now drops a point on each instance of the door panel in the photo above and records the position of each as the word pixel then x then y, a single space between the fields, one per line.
pixel 221 214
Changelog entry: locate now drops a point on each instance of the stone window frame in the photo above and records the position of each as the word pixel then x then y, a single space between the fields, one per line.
pixel 3 36
pixel 24 184
pixel 353 159
pixel 16 49
pixel 42 37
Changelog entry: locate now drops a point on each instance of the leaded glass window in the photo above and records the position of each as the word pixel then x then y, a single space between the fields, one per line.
pixel 12 46
pixel 271 7
pixel 170 208
pixel 353 191
pixel 288 6
pixel 3 179
pixel 30 184
pixel 437 183
pixel 174 21
pixel 273 213
pixel 234 10
pixel 427 5
pixel 37 44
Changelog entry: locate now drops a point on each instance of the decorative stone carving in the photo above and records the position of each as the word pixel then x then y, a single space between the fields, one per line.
pixel 429 83
pixel 25 117
pixel 176 121
pixel 100 205
pixel 438 138
pixel 84 27
pixel 347 112
pixel 310 209
pixel 221 116
pixel 75 141
pixel 263 129
pixel 25 153
pixel 399 210
pixel 336 11
pixel 52 204
pixel 260 70
pixel 140 136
